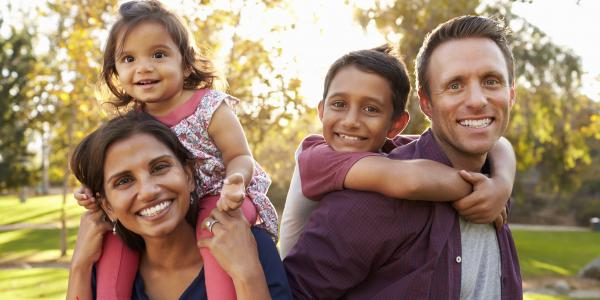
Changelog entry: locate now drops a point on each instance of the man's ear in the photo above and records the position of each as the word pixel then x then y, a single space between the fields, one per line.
pixel 425 103
pixel 398 124
pixel 320 109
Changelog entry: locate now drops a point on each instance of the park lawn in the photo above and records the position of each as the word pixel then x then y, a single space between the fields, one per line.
pixel 555 253
pixel 39 210
pixel 43 283
pixel 34 245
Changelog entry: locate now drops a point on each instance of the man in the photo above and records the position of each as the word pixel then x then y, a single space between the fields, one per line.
pixel 361 245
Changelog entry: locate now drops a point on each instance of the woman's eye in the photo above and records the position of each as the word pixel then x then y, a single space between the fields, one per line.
pixel 128 59
pixel 159 54
pixel 161 166
pixel 123 180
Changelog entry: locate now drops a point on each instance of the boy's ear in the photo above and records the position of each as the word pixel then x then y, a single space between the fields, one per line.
pixel 398 125
pixel 320 109
pixel 425 103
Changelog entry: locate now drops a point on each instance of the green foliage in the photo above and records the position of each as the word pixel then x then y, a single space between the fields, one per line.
pixel 16 64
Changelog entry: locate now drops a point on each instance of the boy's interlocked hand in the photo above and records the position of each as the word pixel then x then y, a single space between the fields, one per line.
pixel 85 198
pixel 233 192
pixel 486 203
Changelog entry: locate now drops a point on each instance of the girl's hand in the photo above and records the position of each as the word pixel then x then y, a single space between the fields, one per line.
pixel 88 247
pixel 485 203
pixel 233 244
pixel 232 194
pixel 84 198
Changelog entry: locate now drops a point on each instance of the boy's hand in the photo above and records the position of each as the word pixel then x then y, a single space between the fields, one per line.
pixel 84 198
pixel 501 219
pixel 233 192
pixel 485 203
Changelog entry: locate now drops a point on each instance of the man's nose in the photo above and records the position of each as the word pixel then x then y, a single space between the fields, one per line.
pixel 477 97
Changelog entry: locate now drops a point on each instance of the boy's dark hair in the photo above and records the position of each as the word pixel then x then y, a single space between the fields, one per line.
pixel 132 13
pixel 381 61
pixel 460 28
pixel 87 161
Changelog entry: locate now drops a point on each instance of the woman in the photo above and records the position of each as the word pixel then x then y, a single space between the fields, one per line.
pixel 143 178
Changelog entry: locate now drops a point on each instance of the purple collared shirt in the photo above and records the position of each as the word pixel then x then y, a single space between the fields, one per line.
pixel 360 245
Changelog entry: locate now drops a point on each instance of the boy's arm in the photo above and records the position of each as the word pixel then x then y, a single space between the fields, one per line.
pixel 418 179
pixel 490 195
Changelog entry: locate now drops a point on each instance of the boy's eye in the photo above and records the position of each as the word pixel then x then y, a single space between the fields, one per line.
pixel 337 104
pixel 159 54
pixel 128 59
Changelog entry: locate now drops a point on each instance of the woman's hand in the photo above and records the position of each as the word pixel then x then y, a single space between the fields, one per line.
pixel 88 247
pixel 234 247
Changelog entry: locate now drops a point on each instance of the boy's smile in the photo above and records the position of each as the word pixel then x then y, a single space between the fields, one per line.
pixel 357 113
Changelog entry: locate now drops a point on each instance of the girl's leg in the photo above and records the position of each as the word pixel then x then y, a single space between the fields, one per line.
pixel 116 269
pixel 218 284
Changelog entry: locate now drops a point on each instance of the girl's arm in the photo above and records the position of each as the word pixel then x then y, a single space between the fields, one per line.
pixel 87 252
pixel 227 133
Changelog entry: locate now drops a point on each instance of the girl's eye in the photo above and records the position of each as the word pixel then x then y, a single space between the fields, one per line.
pixel 128 59
pixel 159 54
pixel 123 180
pixel 371 109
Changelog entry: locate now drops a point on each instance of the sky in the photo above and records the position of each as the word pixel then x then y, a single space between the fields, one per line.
pixel 325 30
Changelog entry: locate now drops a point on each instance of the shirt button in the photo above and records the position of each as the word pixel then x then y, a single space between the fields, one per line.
pixel 458 259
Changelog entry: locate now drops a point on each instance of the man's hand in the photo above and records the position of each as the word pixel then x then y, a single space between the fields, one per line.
pixel 233 192
pixel 485 204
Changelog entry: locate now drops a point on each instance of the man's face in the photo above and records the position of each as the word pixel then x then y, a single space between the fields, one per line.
pixel 357 113
pixel 470 98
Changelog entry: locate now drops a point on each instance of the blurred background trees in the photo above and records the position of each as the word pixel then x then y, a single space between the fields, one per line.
pixel 50 98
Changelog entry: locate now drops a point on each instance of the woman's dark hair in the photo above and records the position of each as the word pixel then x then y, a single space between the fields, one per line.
pixel 87 161
pixel 381 61
pixel 132 13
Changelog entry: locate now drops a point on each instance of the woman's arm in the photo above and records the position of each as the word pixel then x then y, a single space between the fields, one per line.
pixel 234 247
pixel 226 131
pixel 87 251
pixel 418 179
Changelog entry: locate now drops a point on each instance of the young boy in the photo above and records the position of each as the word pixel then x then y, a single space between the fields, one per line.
pixel 364 100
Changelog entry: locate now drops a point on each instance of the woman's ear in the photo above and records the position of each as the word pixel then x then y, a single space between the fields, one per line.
pixel 189 173
pixel 106 207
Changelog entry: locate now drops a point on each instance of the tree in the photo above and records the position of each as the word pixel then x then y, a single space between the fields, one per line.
pixel 16 64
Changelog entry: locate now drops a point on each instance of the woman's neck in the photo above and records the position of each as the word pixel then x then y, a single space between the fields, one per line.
pixel 174 251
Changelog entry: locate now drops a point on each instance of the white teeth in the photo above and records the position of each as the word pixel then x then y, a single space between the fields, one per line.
pixel 154 210
pixel 347 137
pixel 476 123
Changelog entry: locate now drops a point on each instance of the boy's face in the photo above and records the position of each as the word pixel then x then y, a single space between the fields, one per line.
pixel 357 113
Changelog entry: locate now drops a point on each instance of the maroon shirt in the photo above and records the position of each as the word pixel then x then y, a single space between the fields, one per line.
pixel 360 245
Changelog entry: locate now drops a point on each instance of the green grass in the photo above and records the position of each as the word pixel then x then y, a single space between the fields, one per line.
pixel 553 253
pixel 34 245
pixel 38 210
pixel 33 283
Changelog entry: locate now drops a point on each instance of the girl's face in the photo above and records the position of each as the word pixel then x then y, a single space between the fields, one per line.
pixel 150 68
pixel 146 187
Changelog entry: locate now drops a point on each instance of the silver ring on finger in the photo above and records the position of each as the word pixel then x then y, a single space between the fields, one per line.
pixel 210 222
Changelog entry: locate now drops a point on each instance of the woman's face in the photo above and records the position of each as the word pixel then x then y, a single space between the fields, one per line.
pixel 147 189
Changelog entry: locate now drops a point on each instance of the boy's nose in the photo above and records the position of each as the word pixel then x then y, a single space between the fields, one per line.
pixel 351 119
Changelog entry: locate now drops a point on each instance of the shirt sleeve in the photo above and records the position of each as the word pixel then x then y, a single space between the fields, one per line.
pixel 296 213
pixel 322 169
pixel 272 265
pixel 335 252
